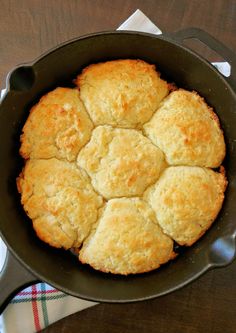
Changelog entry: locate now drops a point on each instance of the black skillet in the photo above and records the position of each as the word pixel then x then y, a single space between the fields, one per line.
pixel 29 260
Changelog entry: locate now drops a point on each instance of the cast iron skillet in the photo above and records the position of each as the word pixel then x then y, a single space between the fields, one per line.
pixel 29 259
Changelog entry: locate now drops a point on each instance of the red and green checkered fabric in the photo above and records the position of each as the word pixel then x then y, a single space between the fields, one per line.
pixel 38 296
pixel 38 306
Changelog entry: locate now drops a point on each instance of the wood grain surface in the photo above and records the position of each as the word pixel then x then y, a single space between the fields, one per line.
pixel 30 27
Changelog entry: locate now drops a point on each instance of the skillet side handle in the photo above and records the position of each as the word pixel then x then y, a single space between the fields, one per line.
pixel 212 43
pixel 13 277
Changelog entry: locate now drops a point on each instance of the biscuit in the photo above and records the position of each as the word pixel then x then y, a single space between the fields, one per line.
pixel 127 239
pixel 187 130
pixel 120 162
pixel 123 93
pixel 186 201
pixel 58 126
pixel 58 197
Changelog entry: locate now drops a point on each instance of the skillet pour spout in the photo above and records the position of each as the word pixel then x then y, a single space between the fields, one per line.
pixel 33 260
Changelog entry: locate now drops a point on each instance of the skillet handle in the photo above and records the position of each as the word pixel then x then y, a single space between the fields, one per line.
pixel 13 277
pixel 212 43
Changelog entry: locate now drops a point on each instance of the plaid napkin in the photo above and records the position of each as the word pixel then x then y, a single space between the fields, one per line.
pixel 41 305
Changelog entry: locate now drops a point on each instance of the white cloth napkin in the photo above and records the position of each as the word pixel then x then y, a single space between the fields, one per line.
pixel 41 305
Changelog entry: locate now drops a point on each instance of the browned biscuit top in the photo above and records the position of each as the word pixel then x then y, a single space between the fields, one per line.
pixel 58 126
pixel 187 130
pixel 121 162
pixel 186 201
pixel 127 239
pixel 123 93
pixel 58 197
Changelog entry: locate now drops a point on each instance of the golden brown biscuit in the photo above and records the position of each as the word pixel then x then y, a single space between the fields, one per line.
pixel 123 93
pixel 186 201
pixel 58 126
pixel 59 199
pixel 121 162
pixel 127 239
pixel 187 131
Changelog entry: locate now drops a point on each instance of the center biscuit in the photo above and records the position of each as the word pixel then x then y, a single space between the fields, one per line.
pixel 121 162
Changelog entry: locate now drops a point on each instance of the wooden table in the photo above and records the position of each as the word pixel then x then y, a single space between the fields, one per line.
pixel 30 27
